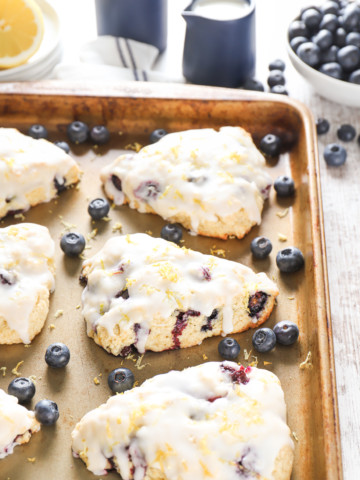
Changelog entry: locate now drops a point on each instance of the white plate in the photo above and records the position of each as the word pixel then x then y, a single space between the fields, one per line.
pixel 47 48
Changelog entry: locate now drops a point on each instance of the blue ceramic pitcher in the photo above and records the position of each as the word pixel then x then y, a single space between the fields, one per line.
pixel 219 52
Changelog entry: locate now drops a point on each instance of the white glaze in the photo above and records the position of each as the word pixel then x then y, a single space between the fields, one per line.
pixel 161 278
pixel 228 159
pixel 25 252
pixel 14 420
pixel 170 425
pixel 221 9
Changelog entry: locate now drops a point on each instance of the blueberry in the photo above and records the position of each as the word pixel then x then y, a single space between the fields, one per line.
pixel 311 17
pixel 264 340
pixel 297 41
pixel 309 53
pixel 171 232
pixel 284 186
pixel 38 131
pixel 277 65
pixel 332 69
pixel 63 145
pixel 353 38
pixel 100 134
pixel 322 126
pixel 290 260
pixel 351 16
pixel 72 243
pixel 286 332
pixel 260 247
pixel 340 37
pixel 330 7
pixel 156 135
pixel 298 28
pixel 77 132
pixel 253 84
pixel 329 55
pixel 46 412
pixel 346 133
pixel 349 57
pixel 121 379
pixel 98 208
pixel 57 355
pixel 334 155
pixel 329 22
pixel 323 39
pixel 279 89
pixel 22 388
pixel 355 77
pixel 229 348
pixel 276 77
pixel 270 145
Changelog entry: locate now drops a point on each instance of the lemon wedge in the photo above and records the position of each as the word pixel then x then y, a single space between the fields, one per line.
pixel 21 31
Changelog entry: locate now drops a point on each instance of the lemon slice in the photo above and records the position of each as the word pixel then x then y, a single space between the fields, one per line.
pixel 21 31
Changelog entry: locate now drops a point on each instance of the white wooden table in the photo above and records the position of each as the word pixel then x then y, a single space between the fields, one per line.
pixel 340 186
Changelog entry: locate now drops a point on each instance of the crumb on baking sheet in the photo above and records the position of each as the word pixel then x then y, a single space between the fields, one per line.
pixel 295 436
pixel 19 216
pixel 282 237
pixel 31 460
pixel 283 213
pixel 267 363
pixel 78 307
pixel 247 354
pixel 255 362
pixel 149 232
pixel 33 378
pixel 27 345
pixel 15 370
pixel 51 327
pixel 58 313
pixel 307 362
pixel 96 381
pixel 134 146
pixel 217 251
pixel 3 370
pixel 106 219
pixel 291 298
pixel 117 227
pixel 205 357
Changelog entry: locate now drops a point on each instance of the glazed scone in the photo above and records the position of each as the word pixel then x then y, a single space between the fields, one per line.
pixel 31 171
pixel 215 420
pixel 26 279
pixel 16 424
pixel 149 294
pixel 212 182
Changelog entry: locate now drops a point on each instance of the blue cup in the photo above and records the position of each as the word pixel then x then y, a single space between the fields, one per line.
pixel 219 52
pixel 141 20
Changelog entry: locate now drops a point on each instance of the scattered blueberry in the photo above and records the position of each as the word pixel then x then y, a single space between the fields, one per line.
pixel 98 208
pixel 286 332
pixel 334 155
pixel 270 145
pixel 46 412
pixel 264 340
pixel 38 131
pixel 72 243
pixel 57 355
pixel 346 133
pixel 332 69
pixel 77 132
pixel 290 260
pixel 284 186
pixel 229 348
pixel 121 379
pixel 309 53
pixel 277 65
pixel 156 135
pixel 253 84
pixel 171 232
pixel 279 89
pixel 276 77
pixel 322 126
pixel 261 247
pixel 100 134
pixel 22 388
pixel 63 145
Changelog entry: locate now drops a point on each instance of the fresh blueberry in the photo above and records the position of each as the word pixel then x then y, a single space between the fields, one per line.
pixel 229 348
pixel 264 340
pixel 63 145
pixel 276 77
pixel 261 247
pixel 334 155
pixel 298 28
pixel 323 39
pixel 46 412
pixel 311 17
pixel 98 208
pixel 349 57
pixel 353 38
pixel 270 145
pixel 346 133
pixel 57 355
pixel 290 260
pixel 286 332
pixel 277 64
pixel 100 134
pixel 355 77
pixel 329 7
pixel 77 132
pixel 332 69
pixel 72 243
pixel 22 388
pixel 156 135
pixel 322 126
pixel 329 55
pixel 351 16
pixel 279 89
pixel 309 53
pixel 284 186
pixel 340 37
pixel 253 84
pixel 171 232
pixel 38 131
pixel 121 379
pixel 297 41
pixel 329 22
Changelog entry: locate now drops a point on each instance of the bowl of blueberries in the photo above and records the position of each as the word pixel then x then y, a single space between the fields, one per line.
pixel 324 47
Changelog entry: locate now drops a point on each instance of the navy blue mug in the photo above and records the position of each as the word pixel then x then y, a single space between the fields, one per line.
pixel 219 52
pixel 141 20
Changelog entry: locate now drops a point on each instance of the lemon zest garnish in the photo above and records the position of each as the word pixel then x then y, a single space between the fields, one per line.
pixel 283 213
pixel 134 146
pixel 51 326
pixel 282 237
pixel 307 362
pixel 15 371
pixel 58 313
pixel 96 381
pixel 3 370
pixel 31 460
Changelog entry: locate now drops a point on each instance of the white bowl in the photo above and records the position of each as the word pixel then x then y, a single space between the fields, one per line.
pixel 338 91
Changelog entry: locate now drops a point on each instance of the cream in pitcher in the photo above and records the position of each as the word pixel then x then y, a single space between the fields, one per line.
pixel 222 9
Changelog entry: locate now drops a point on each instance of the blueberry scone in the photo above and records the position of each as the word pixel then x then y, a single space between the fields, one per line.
pixel 212 182
pixel 149 294
pixel 16 424
pixel 26 278
pixel 31 171
pixel 215 420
